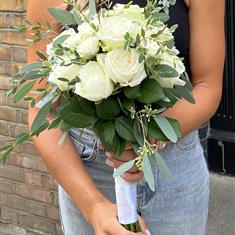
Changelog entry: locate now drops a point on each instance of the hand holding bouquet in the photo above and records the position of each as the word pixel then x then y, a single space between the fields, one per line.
pixel 115 74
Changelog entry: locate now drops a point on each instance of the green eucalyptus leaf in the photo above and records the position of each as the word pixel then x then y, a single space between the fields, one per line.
pixel 22 137
pixel 164 70
pixel 166 127
pixel 181 91
pixel 41 55
pixel 123 168
pixel 132 92
pixel 119 145
pixel 32 75
pixel 108 109
pixel 63 17
pixel 148 173
pixel 155 131
pixel 60 40
pixel 86 106
pixel 30 67
pixel 23 91
pixel 92 7
pixel 40 119
pixel 75 117
pixel 138 132
pixel 151 92
pixel 54 123
pixel 109 132
pixel 124 128
pixel 176 126
pixel 162 166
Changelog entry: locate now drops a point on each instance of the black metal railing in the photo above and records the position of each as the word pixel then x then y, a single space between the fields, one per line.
pixel 221 142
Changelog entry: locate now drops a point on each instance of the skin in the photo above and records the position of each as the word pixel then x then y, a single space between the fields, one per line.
pixel 207 59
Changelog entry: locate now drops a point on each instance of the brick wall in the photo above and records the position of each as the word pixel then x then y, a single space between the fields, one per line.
pixel 28 203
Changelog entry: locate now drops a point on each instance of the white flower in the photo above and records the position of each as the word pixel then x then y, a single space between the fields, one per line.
pixel 170 82
pixel 173 61
pixel 84 31
pixel 124 68
pixel 112 31
pixel 164 33
pixel 88 48
pixel 94 83
pixel 133 12
pixel 152 47
pixel 69 72
pixel 176 63
pixel 50 49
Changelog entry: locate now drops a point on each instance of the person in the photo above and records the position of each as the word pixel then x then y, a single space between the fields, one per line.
pixel 82 169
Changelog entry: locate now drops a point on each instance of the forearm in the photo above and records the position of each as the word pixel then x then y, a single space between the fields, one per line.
pixel 192 116
pixel 66 167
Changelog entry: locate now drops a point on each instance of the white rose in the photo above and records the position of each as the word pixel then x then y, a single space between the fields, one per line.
pixel 112 31
pixel 124 68
pixel 94 83
pixel 170 82
pixel 88 48
pixel 50 49
pixel 152 48
pixel 174 62
pixel 133 12
pixel 164 36
pixel 84 31
pixel 69 72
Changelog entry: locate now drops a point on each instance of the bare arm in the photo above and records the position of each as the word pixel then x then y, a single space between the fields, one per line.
pixel 207 49
pixel 62 161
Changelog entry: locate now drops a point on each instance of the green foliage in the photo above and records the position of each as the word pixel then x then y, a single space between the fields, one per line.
pixel 123 168
pixel 40 118
pixel 162 166
pixel 108 108
pixel 63 17
pixel 23 91
pixel 151 92
pixel 148 173
pixel 124 128
pixel 166 127
pixel 75 117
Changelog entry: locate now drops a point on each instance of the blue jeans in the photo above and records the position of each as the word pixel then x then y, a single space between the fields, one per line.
pixel 177 207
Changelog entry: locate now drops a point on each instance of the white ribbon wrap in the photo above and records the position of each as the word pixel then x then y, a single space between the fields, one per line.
pixel 126 198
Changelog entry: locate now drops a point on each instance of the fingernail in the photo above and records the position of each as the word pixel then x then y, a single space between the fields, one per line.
pixel 147 232
pixel 109 162
pixel 108 154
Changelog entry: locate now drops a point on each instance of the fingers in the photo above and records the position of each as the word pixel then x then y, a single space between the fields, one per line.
pixel 133 177
pixel 116 163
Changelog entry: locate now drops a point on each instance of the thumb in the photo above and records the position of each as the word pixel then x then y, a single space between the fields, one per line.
pixel 143 226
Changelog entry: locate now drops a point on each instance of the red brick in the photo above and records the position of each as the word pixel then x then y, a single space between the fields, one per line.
pixel 48 182
pixel 29 148
pixel 27 191
pixel 12 173
pixel 53 213
pixel 13 38
pixel 7 186
pixel 8 114
pixel 13 202
pixel 33 178
pixel 36 208
pixel 5 83
pixel 19 54
pixel 13 5
pixel 9 214
pixel 36 222
pixel 5 53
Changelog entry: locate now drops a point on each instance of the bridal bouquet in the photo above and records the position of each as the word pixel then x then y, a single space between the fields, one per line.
pixel 115 71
